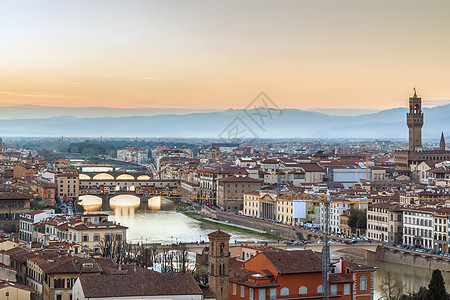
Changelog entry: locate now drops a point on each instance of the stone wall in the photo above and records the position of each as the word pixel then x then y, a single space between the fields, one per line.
pixel 283 231
pixel 415 260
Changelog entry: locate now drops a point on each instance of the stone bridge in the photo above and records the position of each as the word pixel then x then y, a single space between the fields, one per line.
pixel 123 200
pixel 200 248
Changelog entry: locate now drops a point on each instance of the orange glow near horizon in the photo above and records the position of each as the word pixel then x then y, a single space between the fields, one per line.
pixel 221 54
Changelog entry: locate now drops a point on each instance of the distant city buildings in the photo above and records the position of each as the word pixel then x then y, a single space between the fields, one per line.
pixel 133 155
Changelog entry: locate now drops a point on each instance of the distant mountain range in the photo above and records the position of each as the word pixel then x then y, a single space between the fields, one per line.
pixel 261 123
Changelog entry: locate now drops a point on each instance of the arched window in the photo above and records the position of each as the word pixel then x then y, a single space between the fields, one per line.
pixel 222 269
pixel 320 289
pixel 303 290
pixel 222 247
pixel 284 291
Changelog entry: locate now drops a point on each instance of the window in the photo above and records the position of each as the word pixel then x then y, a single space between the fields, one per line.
pixel 347 289
pixel 85 238
pixel 234 289
pixel 242 291
pixel 284 291
pixel 363 283
pixel 273 293
pixel 333 289
pixel 262 294
pixel 320 289
pixel 58 297
pixel 303 290
pixel 222 246
pixel 251 296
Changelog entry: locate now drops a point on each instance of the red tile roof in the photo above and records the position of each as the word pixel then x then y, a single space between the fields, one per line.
pixel 239 179
pixel 148 283
pixel 292 262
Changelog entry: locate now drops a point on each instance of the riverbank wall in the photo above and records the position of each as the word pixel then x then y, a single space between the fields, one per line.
pixel 388 255
pixel 412 259
pixel 280 230
pixel 382 253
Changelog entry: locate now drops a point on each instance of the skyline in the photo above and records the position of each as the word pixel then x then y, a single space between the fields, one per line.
pixel 220 55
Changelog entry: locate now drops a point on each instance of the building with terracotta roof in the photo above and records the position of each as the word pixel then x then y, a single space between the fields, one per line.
pixel 14 291
pixel 296 275
pixel 234 187
pixel 92 231
pixel 418 227
pixel 385 222
pixel 53 275
pixel 141 285
pixel 67 185
pixel 27 219
pixel 12 204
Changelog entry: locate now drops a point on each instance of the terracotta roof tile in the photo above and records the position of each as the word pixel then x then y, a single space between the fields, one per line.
pixel 148 283
pixel 291 262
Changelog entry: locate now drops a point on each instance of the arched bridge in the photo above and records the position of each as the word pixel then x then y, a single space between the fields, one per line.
pixel 122 201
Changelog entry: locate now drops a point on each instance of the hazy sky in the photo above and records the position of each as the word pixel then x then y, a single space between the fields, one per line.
pixel 221 54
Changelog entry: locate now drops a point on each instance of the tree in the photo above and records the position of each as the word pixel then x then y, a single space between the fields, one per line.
pixel 357 218
pixel 436 288
pixel 361 222
pixel 352 218
pixel 113 246
pixel 391 288
pixel 420 295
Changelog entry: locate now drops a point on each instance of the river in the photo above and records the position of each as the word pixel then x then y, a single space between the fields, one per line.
pixel 160 223
pixel 410 277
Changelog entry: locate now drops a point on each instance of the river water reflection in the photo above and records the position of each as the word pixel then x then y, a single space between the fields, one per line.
pixel 412 278
pixel 160 223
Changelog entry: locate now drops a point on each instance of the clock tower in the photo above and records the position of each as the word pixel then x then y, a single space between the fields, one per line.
pixel 415 122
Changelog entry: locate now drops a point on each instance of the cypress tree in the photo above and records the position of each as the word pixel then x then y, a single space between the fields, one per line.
pixel 436 288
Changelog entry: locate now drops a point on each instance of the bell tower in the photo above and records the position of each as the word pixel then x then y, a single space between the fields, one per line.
pixel 219 244
pixel 415 122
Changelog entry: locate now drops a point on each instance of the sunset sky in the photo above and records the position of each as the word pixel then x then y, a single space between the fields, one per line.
pixel 221 54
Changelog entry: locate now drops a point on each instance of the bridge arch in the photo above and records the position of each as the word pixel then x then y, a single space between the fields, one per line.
pixel 154 203
pixel 103 176
pixel 143 177
pixel 84 176
pixel 125 177
pixel 90 202
pixel 125 200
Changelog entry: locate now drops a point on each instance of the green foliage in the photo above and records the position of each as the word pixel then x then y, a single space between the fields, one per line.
pixel 50 154
pixel 79 208
pixel 89 148
pixel 58 210
pixel 357 219
pixel 436 288
pixel 35 205
pixel 420 295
